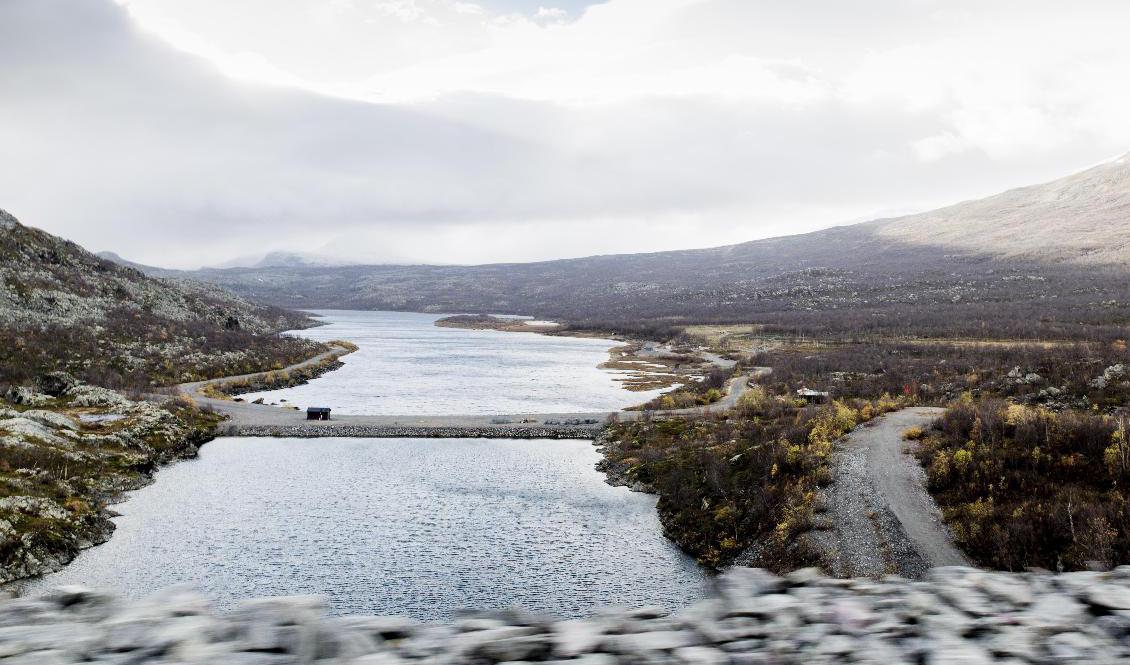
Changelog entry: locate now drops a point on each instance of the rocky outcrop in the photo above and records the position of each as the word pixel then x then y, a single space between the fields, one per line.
pixel 957 615
pixel 67 459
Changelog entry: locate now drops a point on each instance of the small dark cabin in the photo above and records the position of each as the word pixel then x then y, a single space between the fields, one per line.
pixel 318 413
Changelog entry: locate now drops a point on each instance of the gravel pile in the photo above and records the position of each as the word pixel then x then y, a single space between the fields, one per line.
pixel 956 615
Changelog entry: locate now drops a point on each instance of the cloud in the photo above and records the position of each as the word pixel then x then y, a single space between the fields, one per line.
pixel 443 131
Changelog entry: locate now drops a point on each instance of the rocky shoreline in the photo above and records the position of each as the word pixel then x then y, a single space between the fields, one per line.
pixel 956 615
pixel 616 472
pixel 70 451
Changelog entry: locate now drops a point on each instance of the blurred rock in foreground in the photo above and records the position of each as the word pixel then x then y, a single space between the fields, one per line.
pixel 957 615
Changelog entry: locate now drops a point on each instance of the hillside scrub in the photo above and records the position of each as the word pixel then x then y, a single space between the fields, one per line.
pixel 65 309
pixel 742 484
pixel 1056 376
pixel 1025 487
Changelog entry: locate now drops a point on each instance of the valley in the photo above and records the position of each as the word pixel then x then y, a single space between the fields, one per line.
pixel 861 435
pixel 592 332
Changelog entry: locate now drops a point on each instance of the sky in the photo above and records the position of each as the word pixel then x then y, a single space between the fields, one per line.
pixel 183 133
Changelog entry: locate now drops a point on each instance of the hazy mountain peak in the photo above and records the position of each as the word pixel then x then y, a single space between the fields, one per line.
pixel 297 259
pixel 282 259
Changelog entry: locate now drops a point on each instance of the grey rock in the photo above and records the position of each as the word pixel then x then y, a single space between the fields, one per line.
pixel 701 656
pixel 1109 596
pixel 55 384
pixel 1012 618
pixel 26 396
pixel 1056 611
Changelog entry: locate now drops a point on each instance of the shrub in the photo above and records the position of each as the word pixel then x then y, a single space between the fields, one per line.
pixel 1023 487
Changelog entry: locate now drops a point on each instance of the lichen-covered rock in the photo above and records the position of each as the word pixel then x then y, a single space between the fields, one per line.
pixel 34 506
pixel 55 384
pixel 51 419
pixel 26 396
pixel 26 428
pixel 59 473
pixel 1109 376
pixel 94 396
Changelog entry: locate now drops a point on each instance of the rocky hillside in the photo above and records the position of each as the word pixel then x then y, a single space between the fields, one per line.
pixel 1034 262
pixel 63 308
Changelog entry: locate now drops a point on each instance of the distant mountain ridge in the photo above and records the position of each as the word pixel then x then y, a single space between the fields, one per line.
pixel 1001 259
pixel 283 259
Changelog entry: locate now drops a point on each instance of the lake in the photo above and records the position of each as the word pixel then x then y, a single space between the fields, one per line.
pixel 408 366
pixel 420 527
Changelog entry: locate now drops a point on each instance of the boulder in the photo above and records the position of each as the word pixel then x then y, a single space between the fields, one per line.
pixel 55 384
pixel 25 396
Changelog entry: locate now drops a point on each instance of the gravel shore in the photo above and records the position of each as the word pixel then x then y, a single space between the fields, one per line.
pixel 956 615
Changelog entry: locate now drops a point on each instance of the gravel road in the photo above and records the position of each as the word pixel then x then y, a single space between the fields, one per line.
pixel 881 519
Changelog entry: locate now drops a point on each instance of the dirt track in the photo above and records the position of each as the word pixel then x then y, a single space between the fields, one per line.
pixel 881 519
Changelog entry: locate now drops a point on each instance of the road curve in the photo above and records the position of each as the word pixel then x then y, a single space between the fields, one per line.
pixel 881 517
pixel 194 389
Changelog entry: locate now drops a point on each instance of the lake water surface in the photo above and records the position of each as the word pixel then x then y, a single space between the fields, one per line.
pixel 420 527
pixel 407 365
pixel 415 527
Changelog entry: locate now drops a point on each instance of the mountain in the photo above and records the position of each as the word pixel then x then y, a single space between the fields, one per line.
pixel 283 260
pixel 63 308
pixel 1082 219
pixel 113 257
pixel 1034 261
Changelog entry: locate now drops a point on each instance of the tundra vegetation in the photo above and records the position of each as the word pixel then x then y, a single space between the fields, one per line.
pixel 743 482
pixel 65 309
pixel 281 378
pixel 1027 487
pixel 1038 482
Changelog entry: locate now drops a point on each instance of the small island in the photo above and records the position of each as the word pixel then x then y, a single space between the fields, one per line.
pixel 491 322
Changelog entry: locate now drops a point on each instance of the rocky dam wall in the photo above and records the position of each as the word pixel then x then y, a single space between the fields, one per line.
pixel 377 431
pixel 956 615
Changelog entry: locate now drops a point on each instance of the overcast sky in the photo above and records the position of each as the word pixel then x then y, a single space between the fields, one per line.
pixel 188 132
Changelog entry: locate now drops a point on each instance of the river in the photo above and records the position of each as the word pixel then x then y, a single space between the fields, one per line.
pixel 422 528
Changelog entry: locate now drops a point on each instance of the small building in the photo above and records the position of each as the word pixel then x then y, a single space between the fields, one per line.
pixel 812 396
pixel 318 413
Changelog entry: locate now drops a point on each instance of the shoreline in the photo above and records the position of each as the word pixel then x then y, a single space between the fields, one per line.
pixel 639 365
pixel 156 431
pixel 106 462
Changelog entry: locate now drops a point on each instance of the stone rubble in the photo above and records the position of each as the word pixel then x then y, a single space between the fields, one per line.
pixel 956 615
